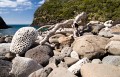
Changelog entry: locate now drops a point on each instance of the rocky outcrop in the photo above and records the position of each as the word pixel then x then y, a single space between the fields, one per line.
pixel 3 25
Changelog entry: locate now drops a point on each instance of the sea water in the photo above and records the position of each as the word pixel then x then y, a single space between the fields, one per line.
pixel 13 29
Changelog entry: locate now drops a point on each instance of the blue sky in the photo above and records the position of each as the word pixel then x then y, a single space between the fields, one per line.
pixel 19 11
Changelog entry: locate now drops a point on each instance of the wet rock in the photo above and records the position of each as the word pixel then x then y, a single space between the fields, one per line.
pixel 41 54
pixel 99 70
pixel 113 60
pixel 22 66
pixel 113 47
pixel 61 72
pixel 23 39
pixel 90 46
pixel 8 39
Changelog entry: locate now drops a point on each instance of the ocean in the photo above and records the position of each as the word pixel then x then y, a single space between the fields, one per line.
pixel 11 31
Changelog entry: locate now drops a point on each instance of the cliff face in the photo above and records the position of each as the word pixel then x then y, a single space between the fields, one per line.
pixel 54 11
pixel 3 24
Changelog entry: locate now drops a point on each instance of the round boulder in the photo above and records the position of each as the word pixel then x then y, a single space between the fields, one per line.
pixel 41 54
pixel 113 47
pixel 23 39
pixel 22 66
pixel 90 46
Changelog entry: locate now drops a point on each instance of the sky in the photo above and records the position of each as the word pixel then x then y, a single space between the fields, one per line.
pixel 19 11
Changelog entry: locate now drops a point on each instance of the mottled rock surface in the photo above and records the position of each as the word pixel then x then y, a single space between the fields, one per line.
pixel 23 39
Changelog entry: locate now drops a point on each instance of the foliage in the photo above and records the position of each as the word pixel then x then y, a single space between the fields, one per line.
pixel 54 11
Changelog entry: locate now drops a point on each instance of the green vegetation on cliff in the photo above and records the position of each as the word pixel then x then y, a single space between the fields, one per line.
pixel 53 11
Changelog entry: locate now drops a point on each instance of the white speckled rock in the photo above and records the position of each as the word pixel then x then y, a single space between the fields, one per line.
pixel 75 68
pixel 23 39
pixel 22 66
pixel 113 60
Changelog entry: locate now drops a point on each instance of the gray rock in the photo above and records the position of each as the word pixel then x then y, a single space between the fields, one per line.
pixel 105 33
pixel 23 39
pixel 4 48
pixel 2 39
pixel 113 60
pixel 61 72
pixel 5 67
pixel 22 66
pixel 41 54
pixel 99 70
pixel 113 47
pixel 8 39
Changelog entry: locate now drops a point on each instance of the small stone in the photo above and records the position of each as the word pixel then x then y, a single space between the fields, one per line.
pixel 74 55
pixel 75 68
pixel 66 51
pixel 70 61
pixel 97 61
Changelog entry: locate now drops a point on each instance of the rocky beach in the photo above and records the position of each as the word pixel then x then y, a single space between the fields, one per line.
pixel 73 48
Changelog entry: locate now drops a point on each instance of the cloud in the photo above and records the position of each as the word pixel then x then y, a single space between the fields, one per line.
pixel 15 4
pixel 41 2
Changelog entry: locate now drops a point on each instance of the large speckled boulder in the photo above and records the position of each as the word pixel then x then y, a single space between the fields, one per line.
pixel 99 70
pixel 41 54
pixel 113 60
pixel 113 47
pixel 61 72
pixel 90 46
pixel 23 39
pixel 5 67
pixel 22 66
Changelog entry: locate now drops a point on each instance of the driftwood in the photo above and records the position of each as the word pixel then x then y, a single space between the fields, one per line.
pixel 81 17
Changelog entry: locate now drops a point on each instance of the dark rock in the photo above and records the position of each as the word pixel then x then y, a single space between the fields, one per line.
pixel 2 39
pixel 3 24
pixel 41 54
pixel 5 67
